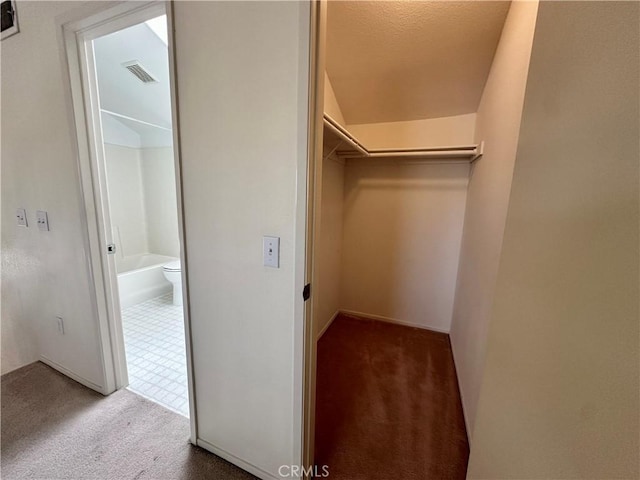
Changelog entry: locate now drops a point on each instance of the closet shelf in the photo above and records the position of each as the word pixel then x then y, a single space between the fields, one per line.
pixel 338 140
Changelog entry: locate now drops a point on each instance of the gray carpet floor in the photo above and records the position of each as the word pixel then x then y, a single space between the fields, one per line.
pixel 54 428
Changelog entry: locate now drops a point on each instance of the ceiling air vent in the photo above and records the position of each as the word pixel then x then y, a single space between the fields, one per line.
pixel 136 68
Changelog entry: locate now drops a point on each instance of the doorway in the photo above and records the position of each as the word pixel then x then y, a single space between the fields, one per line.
pixel 123 94
pixel 132 77
pixel 395 158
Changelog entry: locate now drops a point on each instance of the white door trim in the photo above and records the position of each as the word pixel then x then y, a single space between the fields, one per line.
pixel 75 35
pixel 317 35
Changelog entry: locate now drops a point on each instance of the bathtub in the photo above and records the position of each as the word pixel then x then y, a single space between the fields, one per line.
pixel 140 278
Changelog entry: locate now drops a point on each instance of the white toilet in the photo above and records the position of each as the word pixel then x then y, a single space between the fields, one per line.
pixel 173 272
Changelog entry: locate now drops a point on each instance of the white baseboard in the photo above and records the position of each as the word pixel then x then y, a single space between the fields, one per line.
pixel 393 320
pixel 326 327
pixel 229 457
pixel 73 376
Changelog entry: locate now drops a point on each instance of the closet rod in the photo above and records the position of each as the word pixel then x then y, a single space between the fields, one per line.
pixel 470 152
pixel 422 154
pixel 462 148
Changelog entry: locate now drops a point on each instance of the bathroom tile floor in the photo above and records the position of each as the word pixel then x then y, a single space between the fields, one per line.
pixel 155 350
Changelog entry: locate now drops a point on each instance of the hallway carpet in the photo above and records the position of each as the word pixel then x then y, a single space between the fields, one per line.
pixel 55 428
pixel 387 403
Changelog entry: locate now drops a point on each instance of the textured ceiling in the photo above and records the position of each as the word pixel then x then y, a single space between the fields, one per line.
pixel 407 59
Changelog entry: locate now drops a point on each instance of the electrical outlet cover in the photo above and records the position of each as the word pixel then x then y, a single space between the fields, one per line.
pixel 43 220
pixel 21 217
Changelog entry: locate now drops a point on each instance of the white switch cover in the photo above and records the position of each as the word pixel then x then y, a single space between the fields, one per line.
pixel 43 220
pixel 21 217
pixel 271 251
pixel 60 323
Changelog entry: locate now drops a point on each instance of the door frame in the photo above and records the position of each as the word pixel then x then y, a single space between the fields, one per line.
pixel 317 41
pixel 75 36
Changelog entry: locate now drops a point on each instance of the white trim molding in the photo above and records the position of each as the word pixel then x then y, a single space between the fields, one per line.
pixel 78 378
pixel 249 467
pixel 326 327
pixel 372 316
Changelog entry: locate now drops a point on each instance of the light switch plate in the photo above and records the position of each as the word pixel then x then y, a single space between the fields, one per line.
pixel 43 220
pixel 21 217
pixel 271 251
pixel 60 325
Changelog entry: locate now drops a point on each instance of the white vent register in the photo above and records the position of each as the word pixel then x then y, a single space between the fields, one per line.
pixel 141 73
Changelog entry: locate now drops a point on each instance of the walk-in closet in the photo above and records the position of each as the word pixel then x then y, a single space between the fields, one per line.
pixel 422 104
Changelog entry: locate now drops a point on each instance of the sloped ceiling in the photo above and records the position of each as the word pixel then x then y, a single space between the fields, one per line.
pixel 408 59
pixel 119 90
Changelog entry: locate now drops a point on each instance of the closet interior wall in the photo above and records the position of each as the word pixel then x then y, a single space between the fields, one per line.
pixel 390 229
pixel 498 125
pixel 419 242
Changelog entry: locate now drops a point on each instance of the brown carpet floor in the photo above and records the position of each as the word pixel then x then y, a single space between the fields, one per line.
pixel 388 405
pixel 55 428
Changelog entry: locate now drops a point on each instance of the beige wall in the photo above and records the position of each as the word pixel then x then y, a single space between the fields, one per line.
pixel 18 340
pixel 241 182
pixel 560 393
pixel 243 111
pixel 431 132
pixel 402 231
pixel 329 248
pixel 44 274
pixel 331 106
pixel 498 124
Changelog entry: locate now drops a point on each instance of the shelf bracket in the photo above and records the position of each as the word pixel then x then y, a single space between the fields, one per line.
pixel 479 152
